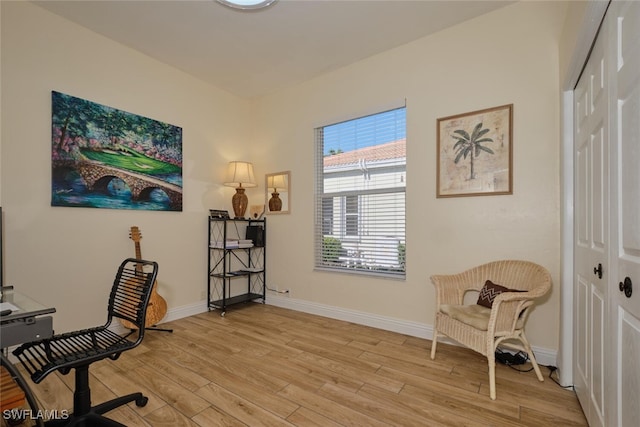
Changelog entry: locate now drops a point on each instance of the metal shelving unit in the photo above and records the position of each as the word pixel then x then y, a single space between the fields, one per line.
pixel 236 268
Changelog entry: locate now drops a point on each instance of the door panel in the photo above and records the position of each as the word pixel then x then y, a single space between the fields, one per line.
pixel 591 244
pixel 625 218
pixel 607 223
pixel 598 332
pixel 581 351
pixel 628 379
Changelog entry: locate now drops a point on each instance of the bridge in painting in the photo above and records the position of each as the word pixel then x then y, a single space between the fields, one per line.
pixel 97 176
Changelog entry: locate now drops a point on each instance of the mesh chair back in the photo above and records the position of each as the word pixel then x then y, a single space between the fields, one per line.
pixel 131 291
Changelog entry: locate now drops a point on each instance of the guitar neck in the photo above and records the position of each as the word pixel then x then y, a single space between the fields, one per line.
pixel 138 256
pixel 138 251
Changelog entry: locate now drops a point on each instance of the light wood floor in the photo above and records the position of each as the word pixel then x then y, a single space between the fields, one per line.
pixel 262 365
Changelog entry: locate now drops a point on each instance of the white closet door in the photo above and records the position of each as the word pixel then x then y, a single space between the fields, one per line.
pixel 625 213
pixel 591 237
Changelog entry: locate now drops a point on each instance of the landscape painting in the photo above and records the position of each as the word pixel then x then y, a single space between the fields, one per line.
pixel 102 157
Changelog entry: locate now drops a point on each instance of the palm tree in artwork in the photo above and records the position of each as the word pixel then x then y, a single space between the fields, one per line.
pixel 471 145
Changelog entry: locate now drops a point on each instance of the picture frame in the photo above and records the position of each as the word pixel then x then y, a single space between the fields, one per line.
pixel 277 193
pixel 103 157
pixel 256 211
pixel 475 153
pixel 219 214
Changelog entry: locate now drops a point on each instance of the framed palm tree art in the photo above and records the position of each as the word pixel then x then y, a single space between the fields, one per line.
pixel 475 153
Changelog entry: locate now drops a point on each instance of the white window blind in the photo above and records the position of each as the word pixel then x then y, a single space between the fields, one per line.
pixel 360 194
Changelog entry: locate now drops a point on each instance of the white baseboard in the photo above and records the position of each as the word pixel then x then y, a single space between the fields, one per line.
pixel 415 329
pixel 185 311
pixel 544 356
pixel 172 314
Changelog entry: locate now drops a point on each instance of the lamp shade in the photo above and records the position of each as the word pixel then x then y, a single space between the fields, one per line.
pixel 277 182
pixel 240 174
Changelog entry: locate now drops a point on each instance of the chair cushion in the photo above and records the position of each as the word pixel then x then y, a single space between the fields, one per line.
pixel 474 315
pixel 489 292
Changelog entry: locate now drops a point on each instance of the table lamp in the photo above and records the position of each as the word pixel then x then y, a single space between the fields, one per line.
pixel 275 182
pixel 240 176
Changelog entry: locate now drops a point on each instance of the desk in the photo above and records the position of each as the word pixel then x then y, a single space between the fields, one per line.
pixel 27 322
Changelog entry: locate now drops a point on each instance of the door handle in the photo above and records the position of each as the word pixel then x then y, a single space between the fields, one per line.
pixel 598 271
pixel 626 287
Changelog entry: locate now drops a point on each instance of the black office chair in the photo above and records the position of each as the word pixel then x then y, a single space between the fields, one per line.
pixel 77 350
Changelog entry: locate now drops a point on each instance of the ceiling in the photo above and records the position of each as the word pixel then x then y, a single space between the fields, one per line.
pixel 253 53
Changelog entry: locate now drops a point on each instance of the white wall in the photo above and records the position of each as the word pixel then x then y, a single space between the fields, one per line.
pixel 509 56
pixel 67 257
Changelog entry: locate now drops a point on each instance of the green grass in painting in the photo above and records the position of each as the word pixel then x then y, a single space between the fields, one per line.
pixel 131 160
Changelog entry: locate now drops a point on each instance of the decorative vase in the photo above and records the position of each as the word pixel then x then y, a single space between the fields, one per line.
pixel 239 203
pixel 275 203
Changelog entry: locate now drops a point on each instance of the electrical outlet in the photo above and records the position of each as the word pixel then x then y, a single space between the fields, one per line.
pixel 203 295
pixel 277 290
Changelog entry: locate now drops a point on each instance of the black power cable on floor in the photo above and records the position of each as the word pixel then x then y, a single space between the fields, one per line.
pixel 521 358
pixel 511 359
pixel 553 369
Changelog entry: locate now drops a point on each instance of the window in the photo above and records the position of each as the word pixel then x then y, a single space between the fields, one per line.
pixel 360 194
pixel 351 215
pixel 327 216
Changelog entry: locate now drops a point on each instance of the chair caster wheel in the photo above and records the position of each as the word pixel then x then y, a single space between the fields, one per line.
pixel 142 401
pixel 15 421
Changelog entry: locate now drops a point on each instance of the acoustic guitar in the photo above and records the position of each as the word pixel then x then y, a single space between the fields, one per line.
pixel 157 308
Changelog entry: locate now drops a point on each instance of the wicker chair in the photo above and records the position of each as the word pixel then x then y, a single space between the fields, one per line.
pixel 480 328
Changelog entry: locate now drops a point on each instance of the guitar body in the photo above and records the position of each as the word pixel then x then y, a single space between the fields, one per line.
pixel 157 308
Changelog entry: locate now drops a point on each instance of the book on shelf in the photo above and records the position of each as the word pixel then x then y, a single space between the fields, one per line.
pixel 230 274
pixel 232 244
pixel 229 244
pixel 245 243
